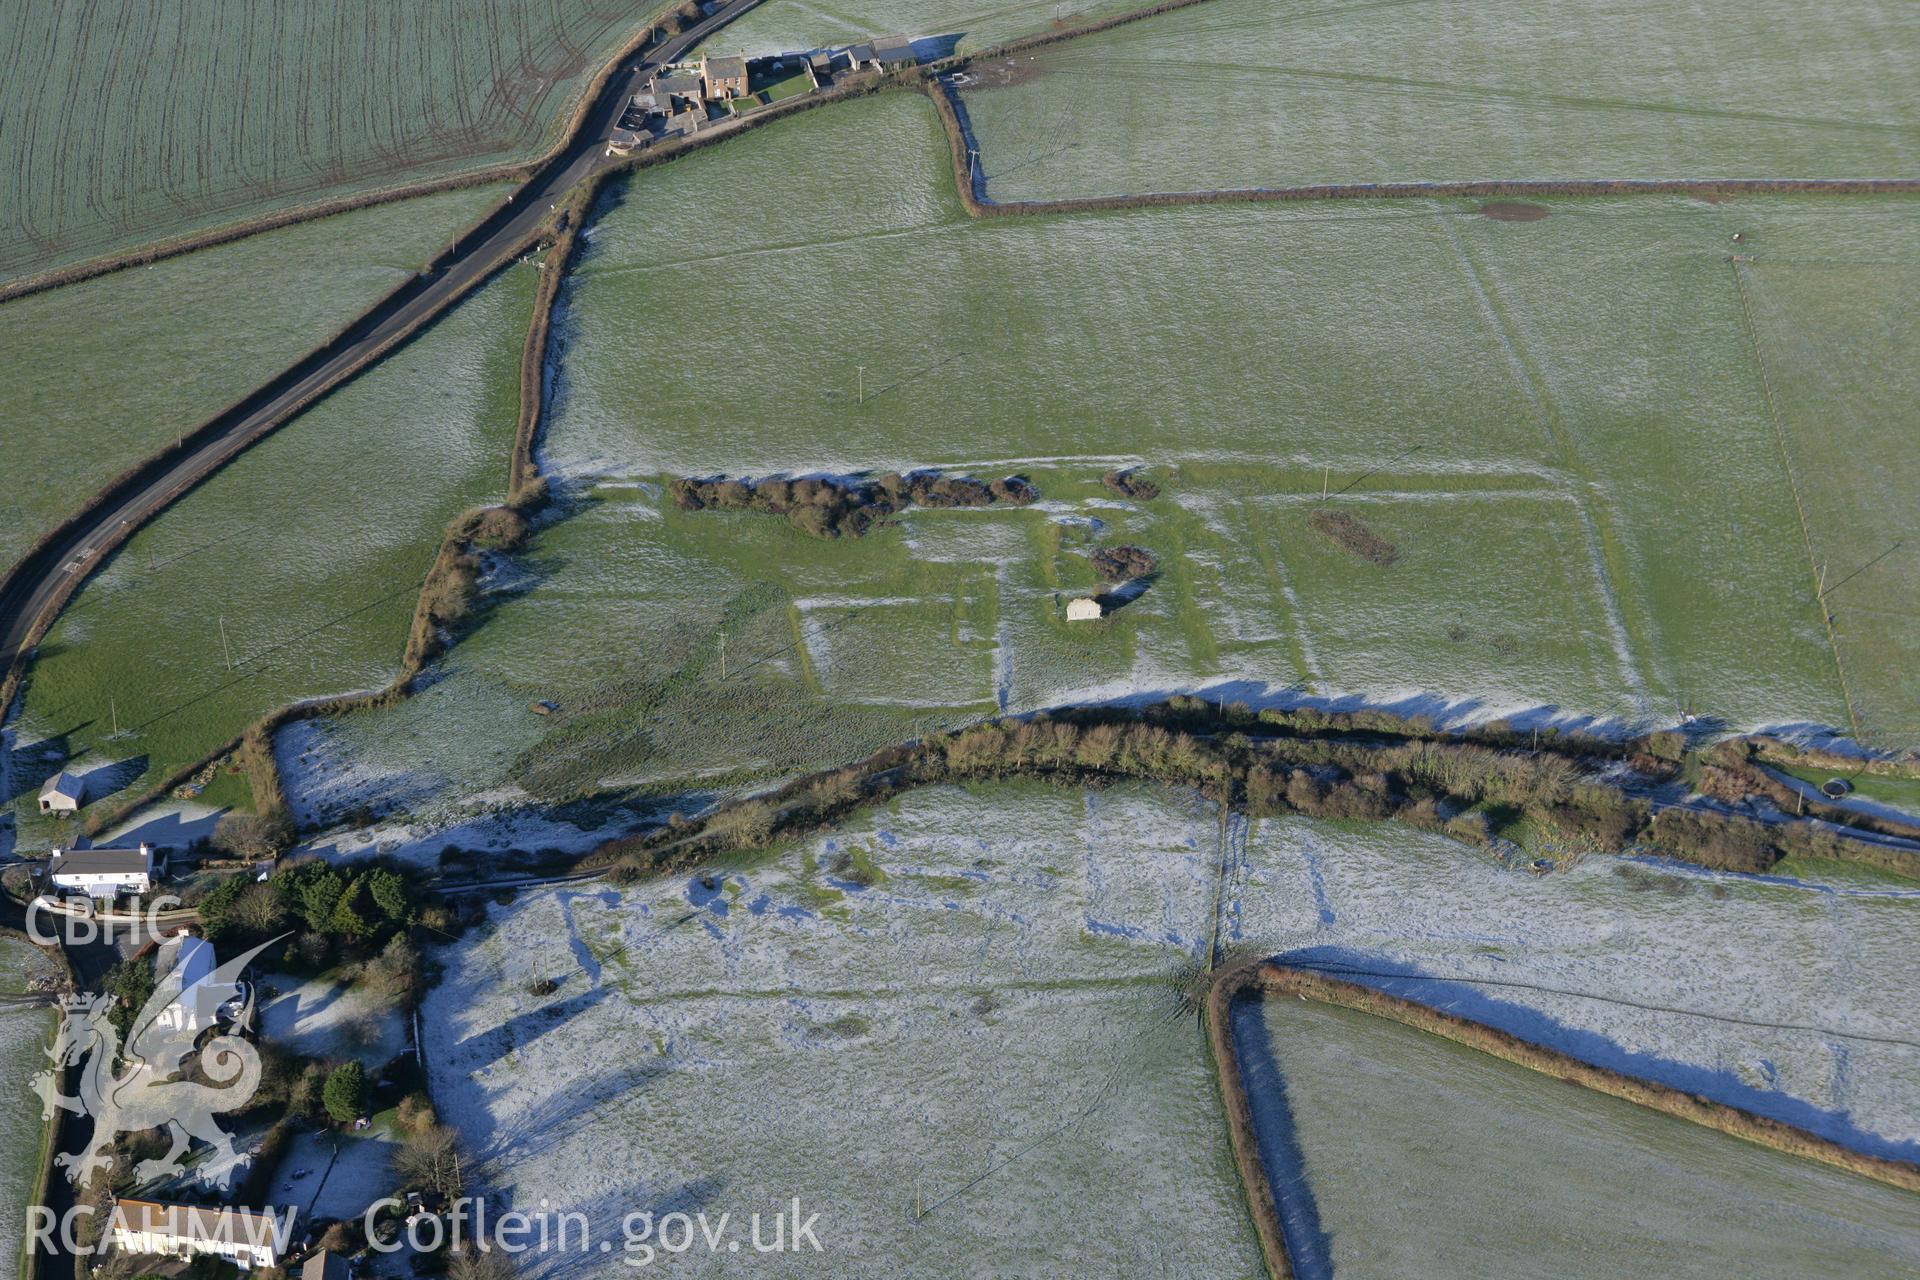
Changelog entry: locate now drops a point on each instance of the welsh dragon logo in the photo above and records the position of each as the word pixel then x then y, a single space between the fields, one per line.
pixel 138 1086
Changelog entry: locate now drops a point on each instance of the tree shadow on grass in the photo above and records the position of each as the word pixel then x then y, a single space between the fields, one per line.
pixel 1479 1002
pixel 1120 596
pixel 1309 1249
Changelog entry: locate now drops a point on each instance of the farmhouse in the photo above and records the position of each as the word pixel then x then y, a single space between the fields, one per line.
pixel 1085 609
pixel 725 77
pixel 63 793
pixel 675 84
pixel 240 1236
pixel 102 873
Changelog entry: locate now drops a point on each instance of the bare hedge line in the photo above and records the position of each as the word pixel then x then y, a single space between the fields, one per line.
pixel 1280 979
pixel 1256 1184
pixel 522 475
pixel 162 462
pixel 1780 752
pixel 445 603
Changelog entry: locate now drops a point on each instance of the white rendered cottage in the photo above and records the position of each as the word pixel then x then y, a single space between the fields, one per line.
pixel 246 1238
pixel 102 873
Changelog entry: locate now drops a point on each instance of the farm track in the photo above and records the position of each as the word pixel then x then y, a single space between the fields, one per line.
pixel 43 580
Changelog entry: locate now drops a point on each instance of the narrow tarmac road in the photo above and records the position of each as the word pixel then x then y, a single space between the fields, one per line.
pixel 40 584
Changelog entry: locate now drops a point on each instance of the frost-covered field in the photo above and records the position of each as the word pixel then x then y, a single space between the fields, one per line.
pixel 100 375
pixel 24 1035
pixel 131 123
pixel 1286 95
pixel 1485 1168
pixel 966 1001
pixel 324 1018
pixel 990 1033
pixel 289 574
pixel 1560 425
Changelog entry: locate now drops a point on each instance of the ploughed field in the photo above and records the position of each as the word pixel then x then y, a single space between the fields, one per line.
pixel 132 123
pixel 955 1023
pixel 103 374
pixel 1558 428
pixel 1244 93
pixel 291 573
pixel 937 27
pixel 1478 1167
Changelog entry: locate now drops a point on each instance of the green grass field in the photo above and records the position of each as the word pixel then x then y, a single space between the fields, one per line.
pixel 1559 424
pixel 131 123
pixel 307 552
pixel 1428 1158
pixel 1242 93
pixel 104 373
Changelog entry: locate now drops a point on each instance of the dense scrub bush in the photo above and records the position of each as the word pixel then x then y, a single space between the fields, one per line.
pixel 1130 483
pixel 1123 564
pixel 835 508
pixel 1720 842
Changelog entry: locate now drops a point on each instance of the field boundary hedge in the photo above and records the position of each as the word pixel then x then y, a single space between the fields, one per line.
pixel 980 206
pixel 1367 765
pixel 1277 978
pixel 522 474
pixel 445 599
pixel 1256 1184
pixel 10 680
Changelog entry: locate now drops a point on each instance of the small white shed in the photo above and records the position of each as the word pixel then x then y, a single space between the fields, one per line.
pixel 63 793
pixel 1085 609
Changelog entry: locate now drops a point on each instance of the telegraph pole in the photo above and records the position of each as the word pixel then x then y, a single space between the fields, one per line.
pixel 228 653
pixel 860 383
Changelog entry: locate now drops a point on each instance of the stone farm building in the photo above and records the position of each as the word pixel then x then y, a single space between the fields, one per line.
pixel 725 77
pixel 676 84
pixel 1085 609
pixel 63 793
pixel 241 1236
pixel 882 53
pixel 102 873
